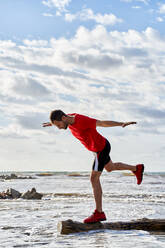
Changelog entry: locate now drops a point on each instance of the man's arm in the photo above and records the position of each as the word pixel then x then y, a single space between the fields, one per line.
pixel 113 123
pixel 46 124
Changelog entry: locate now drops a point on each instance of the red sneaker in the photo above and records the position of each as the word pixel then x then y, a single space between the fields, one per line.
pixel 139 173
pixel 95 217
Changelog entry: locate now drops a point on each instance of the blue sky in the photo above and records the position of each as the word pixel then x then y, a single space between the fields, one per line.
pixel 104 59
pixel 22 19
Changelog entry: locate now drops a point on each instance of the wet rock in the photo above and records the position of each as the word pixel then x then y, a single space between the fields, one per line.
pixel 10 194
pixel 32 194
pixel 4 195
pixel 14 176
pixel 14 194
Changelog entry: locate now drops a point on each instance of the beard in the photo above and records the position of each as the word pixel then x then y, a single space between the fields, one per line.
pixel 65 125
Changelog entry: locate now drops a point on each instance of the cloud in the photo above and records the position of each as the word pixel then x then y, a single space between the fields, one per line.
pixel 134 52
pixel 96 61
pixel 21 86
pixel 12 131
pixel 94 68
pixel 159 19
pixel 87 14
pixel 153 113
pixel 104 74
pixel 136 7
pixel 36 43
pixel 130 1
pixel 30 87
pixel 59 4
pixel 31 120
pixel 18 64
pixel 162 9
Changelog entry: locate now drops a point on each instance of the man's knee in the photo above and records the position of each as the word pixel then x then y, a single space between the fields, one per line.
pixel 110 166
pixel 94 178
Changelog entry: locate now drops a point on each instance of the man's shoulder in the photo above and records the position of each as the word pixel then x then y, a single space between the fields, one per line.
pixel 72 114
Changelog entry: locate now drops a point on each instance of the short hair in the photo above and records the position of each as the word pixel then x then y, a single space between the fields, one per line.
pixel 56 115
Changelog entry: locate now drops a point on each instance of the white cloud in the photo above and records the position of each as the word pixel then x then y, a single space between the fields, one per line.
pixel 162 9
pixel 70 17
pixel 136 7
pixel 159 19
pixel 130 1
pixel 59 4
pixel 120 66
pixel 108 75
pixel 87 14
pixel 36 43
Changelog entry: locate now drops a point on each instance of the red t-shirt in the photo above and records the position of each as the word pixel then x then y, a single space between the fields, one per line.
pixel 84 129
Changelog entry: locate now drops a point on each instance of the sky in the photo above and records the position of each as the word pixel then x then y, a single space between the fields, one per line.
pixel 104 59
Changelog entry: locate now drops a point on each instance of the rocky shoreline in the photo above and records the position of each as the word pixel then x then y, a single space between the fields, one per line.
pixel 14 176
pixel 14 194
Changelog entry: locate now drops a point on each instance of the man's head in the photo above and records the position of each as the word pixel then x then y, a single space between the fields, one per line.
pixel 59 119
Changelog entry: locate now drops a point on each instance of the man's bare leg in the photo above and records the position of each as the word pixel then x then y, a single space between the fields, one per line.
pixel 110 166
pixel 97 190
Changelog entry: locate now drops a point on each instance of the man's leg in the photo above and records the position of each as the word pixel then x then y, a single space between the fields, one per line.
pixel 97 190
pixel 98 214
pixel 137 170
pixel 110 166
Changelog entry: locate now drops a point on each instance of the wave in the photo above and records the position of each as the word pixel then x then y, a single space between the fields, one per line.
pixel 72 195
pixel 126 197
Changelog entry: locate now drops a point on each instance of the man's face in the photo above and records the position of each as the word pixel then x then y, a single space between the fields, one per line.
pixel 61 124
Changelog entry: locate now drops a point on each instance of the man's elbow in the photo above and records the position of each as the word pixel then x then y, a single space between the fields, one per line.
pixel 99 123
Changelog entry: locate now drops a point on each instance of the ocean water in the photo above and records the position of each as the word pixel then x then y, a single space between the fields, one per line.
pixel 33 223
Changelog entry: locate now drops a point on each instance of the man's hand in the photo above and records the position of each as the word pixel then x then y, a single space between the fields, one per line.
pixel 128 123
pixel 46 124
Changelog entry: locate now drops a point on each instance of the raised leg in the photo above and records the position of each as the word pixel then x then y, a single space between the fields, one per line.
pixel 119 166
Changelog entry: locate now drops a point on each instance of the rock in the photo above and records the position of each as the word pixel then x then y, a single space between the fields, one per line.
pixel 4 195
pixel 13 193
pixel 32 195
pixel 14 176
pixel 10 194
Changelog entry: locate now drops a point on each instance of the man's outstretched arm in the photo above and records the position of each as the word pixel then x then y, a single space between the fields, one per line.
pixel 46 124
pixel 113 123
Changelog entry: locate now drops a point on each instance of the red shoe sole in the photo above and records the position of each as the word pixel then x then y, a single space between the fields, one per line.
pixel 94 221
pixel 142 174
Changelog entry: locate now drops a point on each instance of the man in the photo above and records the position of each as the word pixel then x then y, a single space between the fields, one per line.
pixel 84 129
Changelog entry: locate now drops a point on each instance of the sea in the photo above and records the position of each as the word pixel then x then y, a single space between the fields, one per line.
pixel 68 195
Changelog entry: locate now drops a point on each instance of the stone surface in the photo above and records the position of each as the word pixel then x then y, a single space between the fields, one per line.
pixel 14 194
pixel 32 194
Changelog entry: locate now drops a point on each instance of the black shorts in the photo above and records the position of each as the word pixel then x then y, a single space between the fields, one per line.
pixel 102 158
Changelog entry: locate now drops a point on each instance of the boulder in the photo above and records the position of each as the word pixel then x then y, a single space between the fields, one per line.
pixel 13 193
pixel 4 195
pixel 32 194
